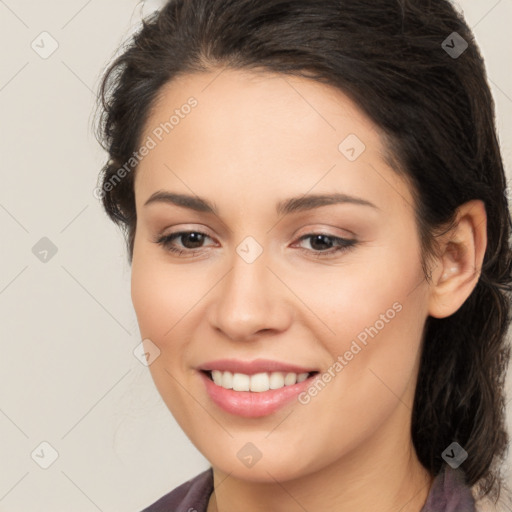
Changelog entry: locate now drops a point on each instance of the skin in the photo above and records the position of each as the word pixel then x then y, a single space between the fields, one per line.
pixel 254 140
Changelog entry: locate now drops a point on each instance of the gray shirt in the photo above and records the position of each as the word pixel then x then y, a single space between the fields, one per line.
pixel 448 493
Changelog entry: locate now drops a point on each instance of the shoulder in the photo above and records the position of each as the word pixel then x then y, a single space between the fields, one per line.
pixel 191 496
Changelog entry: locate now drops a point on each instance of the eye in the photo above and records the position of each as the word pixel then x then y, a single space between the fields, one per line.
pixel 191 241
pixel 325 245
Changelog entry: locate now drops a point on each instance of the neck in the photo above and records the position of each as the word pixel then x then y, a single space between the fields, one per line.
pixel 379 476
pixel 371 492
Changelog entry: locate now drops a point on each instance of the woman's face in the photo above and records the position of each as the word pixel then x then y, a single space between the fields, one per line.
pixel 273 288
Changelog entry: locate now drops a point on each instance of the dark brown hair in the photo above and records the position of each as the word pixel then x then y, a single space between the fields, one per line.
pixel 436 113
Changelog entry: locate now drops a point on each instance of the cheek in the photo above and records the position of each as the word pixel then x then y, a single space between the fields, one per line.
pixel 148 299
pixel 161 302
pixel 375 312
pixel 160 294
pixel 365 294
pixel 378 322
pixel 166 298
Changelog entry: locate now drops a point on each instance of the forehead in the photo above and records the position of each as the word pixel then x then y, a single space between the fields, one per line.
pixel 255 130
pixel 258 106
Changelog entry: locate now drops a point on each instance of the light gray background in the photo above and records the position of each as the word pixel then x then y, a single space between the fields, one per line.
pixel 67 327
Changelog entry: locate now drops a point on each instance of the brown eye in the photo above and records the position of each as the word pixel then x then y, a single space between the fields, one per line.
pixel 190 241
pixel 323 244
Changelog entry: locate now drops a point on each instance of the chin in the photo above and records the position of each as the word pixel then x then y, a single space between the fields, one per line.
pixel 265 465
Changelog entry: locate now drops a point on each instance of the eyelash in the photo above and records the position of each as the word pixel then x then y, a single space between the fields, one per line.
pixel 345 244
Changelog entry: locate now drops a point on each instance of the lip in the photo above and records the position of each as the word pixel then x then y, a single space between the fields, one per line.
pixel 254 366
pixel 250 404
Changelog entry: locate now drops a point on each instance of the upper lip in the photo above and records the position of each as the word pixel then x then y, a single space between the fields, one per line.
pixel 252 367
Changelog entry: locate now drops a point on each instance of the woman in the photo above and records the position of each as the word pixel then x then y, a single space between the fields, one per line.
pixel 314 203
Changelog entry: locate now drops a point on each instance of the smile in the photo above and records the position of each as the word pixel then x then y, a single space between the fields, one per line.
pixel 253 389
pixel 258 382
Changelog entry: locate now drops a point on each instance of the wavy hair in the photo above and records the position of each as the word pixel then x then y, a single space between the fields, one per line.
pixel 436 114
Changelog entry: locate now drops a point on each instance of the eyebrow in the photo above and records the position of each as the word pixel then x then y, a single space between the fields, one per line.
pixel 291 205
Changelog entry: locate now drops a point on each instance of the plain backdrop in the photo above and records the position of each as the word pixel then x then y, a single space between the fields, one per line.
pixel 68 375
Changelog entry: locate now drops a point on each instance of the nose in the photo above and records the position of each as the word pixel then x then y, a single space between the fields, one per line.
pixel 249 300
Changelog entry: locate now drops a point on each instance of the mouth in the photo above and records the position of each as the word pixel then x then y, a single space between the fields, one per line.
pixel 257 382
pixel 252 389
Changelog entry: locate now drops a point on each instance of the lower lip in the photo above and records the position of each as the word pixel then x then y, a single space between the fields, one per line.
pixel 251 404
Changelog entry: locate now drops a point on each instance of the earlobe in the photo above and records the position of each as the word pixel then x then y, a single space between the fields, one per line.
pixel 459 265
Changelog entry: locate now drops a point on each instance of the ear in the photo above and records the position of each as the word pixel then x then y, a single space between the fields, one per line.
pixel 459 265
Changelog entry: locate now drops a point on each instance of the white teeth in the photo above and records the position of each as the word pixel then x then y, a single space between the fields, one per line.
pixel 259 382
pixel 241 382
pixel 290 379
pixel 276 380
pixel 227 380
pixel 217 377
